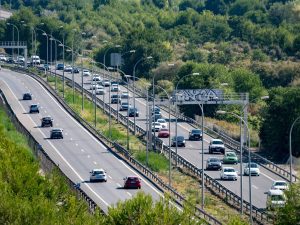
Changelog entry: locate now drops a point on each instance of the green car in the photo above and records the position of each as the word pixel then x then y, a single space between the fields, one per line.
pixel 230 158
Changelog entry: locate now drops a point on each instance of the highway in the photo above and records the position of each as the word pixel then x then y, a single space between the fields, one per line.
pixel 192 151
pixel 79 152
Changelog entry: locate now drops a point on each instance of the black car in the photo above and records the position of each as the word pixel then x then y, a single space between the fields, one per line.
pixel 75 70
pixel 34 108
pixel 195 134
pixel 47 122
pixel 156 116
pixel 56 133
pixel 10 60
pixel 156 110
pixel 27 96
pixel 213 163
pixel 124 106
pixel 60 67
pixel 133 111
pixel 114 99
pixel 180 141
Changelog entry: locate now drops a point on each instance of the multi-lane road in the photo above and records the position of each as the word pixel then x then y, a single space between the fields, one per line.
pixel 192 151
pixel 79 152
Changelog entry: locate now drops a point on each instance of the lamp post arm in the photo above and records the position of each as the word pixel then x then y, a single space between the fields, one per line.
pixel 290 148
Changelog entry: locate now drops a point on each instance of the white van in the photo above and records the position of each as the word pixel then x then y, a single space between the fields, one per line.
pixel 275 199
pixel 35 59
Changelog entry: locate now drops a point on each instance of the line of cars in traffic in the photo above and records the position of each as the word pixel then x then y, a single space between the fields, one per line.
pixel 96 175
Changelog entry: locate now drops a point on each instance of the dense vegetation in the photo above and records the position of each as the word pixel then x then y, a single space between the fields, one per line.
pixel 253 45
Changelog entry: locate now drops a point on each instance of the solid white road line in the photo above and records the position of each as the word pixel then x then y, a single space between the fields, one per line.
pixel 49 142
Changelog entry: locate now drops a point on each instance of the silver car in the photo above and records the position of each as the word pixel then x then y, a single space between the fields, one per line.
pixel 98 175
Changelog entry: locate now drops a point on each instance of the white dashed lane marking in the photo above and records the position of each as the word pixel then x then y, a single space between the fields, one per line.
pixel 82 150
pixel 119 185
pixel 95 163
pixel 110 177
pixel 88 156
pixel 129 193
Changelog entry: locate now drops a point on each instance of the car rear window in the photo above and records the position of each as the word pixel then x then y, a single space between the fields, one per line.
pixel 229 170
pixel 217 142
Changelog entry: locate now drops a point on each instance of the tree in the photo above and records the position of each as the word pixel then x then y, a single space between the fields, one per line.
pixel 246 81
pixel 290 213
pixel 283 108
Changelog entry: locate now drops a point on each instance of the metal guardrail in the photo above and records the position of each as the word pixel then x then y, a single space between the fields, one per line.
pixel 233 144
pixel 45 161
pixel 228 195
pixel 145 171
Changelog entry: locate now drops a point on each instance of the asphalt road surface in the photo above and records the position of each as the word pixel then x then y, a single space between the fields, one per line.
pixel 79 152
pixel 192 152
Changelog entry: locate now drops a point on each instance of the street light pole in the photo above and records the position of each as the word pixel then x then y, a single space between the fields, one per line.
pixel 127 83
pixel 249 157
pixel 55 52
pixel 82 96
pixel 290 149
pixel 176 106
pixel 13 34
pixel 45 34
pixel 134 67
pixel 170 150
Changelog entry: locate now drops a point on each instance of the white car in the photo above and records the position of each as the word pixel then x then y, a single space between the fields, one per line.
pixel 162 122
pixel 86 72
pixel 95 86
pixel 228 173
pixel 253 169
pixel 100 91
pixel 68 68
pixel 98 175
pixel 275 199
pixel 124 95
pixel 106 83
pixel 114 88
pixel 156 126
pixel 280 185
pixel 3 58
pixel 96 79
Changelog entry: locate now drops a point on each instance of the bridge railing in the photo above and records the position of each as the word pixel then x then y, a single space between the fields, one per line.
pixel 20 44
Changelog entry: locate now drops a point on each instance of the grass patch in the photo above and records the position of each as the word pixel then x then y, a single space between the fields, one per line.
pixel 157 162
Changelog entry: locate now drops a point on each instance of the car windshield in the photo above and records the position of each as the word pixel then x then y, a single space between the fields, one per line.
pixel 217 142
pixel 180 138
pixel 33 106
pixel 214 160
pixel 161 121
pixel 253 165
pixel 229 170
pixel 47 118
pixel 196 131
pixel 98 172
pixel 277 198
pixel 280 184
pixel 231 154
pixel 114 96
pixel 132 179
pixel 156 124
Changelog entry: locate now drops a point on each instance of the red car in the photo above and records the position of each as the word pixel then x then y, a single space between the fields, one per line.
pixel 163 133
pixel 132 182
